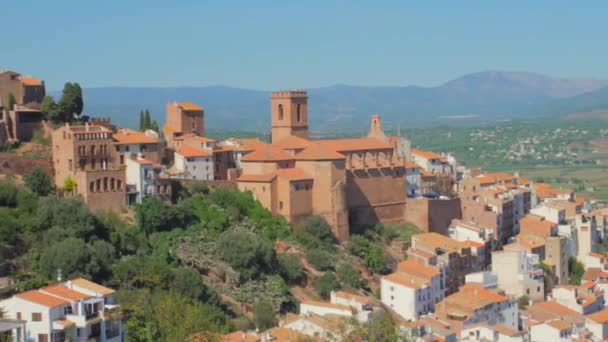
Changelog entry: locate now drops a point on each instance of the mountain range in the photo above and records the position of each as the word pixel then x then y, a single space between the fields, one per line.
pixel 478 97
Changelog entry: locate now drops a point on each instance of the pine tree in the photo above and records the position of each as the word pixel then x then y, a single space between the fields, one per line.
pixel 147 121
pixel 155 126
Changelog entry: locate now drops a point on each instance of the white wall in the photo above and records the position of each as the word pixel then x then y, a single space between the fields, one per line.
pixel 408 302
pixel 306 309
pixel 199 168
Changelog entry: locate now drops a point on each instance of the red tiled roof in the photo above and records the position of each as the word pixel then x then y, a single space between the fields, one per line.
pixel 292 142
pixel 128 136
pixel 191 152
pixel 357 144
pixel 41 298
pixel 426 154
pixel 189 106
pixel 31 82
pixel 65 293
pixel 319 152
pixel 267 154
pixel 91 286
pixel 419 270
pixel 411 165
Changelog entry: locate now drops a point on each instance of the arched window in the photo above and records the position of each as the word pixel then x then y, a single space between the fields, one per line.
pixel 92 187
pixel 112 184
pixel 298 115
pixel 280 112
pixel 105 184
pixel 98 185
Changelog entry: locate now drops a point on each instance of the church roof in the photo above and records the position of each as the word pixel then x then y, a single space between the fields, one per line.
pixel 292 142
pixel 319 151
pixel 267 154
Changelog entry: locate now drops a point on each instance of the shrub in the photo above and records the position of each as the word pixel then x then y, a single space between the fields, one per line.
pixel 375 259
pixel 319 228
pixel 349 276
pixel 290 268
pixel 263 315
pixel 38 181
pixel 320 259
pixel 325 284
pixel 358 245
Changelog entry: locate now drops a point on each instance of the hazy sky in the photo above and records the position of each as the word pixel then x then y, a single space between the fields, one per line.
pixel 298 44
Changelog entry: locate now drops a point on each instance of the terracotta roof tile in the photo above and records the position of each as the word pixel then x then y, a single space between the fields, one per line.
pixel 411 165
pixel 325 304
pixel 292 142
pixel 599 317
pixel 426 154
pixel 41 298
pixel 357 144
pixel 531 225
pixel 559 324
pixel 31 82
pixel 406 280
pixel 129 136
pixel 352 297
pixel 418 270
pixel 319 152
pixel 189 106
pixel 191 152
pixel 64 292
pixel 267 154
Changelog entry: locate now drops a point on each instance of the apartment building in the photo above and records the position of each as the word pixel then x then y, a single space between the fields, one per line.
pixel 129 143
pixel 413 290
pixel 78 310
pixel 194 163
pixel 496 201
pixel 146 178
pixel 473 304
pixel 454 256
pixel 519 273
pixel 480 239
pixel 585 299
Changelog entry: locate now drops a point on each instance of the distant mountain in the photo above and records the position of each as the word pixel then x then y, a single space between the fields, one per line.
pixel 488 95
pixel 583 103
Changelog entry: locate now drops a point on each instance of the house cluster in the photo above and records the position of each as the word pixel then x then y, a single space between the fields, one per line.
pixel 75 310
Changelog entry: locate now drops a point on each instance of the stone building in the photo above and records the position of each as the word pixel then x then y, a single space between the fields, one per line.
pixel 347 181
pixel 183 118
pixel 86 155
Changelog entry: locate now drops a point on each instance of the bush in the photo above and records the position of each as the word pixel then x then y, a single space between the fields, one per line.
pixel 349 276
pixel 374 260
pixel 8 194
pixel 263 315
pixel 319 228
pixel 320 259
pixel 290 268
pixel 39 182
pixel 325 284
pixel 247 253
pixel 358 245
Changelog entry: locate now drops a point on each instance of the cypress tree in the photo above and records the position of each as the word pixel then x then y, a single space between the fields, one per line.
pixel 147 122
pixel 141 121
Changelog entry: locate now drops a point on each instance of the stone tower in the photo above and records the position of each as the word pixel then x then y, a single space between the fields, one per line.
pixel 289 114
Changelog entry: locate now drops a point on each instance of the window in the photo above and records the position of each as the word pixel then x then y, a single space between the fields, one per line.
pixel 67 310
pixel 18 315
pixel 36 317
pixel 92 149
pixel 127 148
pixel 43 338
pixel 280 112
pixel 280 205
pixel 298 115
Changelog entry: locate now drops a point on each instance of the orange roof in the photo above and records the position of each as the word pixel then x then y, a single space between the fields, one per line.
pixel 475 244
pixel 43 299
pixel 531 225
pixel 485 180
pixel 91 286
pixel 194 137
pixel 31 82
pixel 128 136
pixel 500 176
pixel 267 154
pixel 425 173
pixel 554 308
pixel 426 154
pixel 357 144
pixel 438 241
pixel 559 324
pixel 522 181
pixel 415 269
pixel 293 174
pixel 189 106
pixel 531 241
pixel 598 255
pixel 411 165
pixel 292 142
pixel 240 336
pixel 406 280
pixel 599 317
pixel 319 152
pixel 257 178
pixel 191 152
pixel 143 161
pixel 64 292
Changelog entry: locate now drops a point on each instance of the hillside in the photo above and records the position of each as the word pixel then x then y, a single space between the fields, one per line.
pixel 592 101
pixel 482 96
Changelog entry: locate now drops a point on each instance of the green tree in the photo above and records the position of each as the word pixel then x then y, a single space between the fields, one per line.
pixel 374 260
pixel 358 245
pixel 155 127
pixel 38 181
pixel 71 103
pixel 325 284
pixel 188 282
pixel 8 193
pixel 51 109
pixel 263 315
pixel 290 268
pixel 142 121
pixel 71 256
pixel 523 302
pixel 349 275
pixel 147 120
pixel 69 184
pixel 247 253
pixel 576 270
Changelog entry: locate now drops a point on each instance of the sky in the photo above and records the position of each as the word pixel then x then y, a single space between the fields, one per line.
pixel 270 45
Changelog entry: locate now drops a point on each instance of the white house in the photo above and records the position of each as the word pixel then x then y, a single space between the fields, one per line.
pixel 414 180
pixel 194 163
pixel 407 295
pixel 141 179
pixel 551 213
pixel 556 331
pixel 432 162
pixel 597 323
pixel 582 299
pixel 75 310
pixel 519 273
pixel 324 308
pixel 361 305
pixel 495 333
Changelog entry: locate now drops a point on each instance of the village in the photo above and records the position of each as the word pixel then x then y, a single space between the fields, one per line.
pixel 497 257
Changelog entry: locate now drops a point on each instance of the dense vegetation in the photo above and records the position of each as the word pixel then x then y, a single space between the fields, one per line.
pixel 173 264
